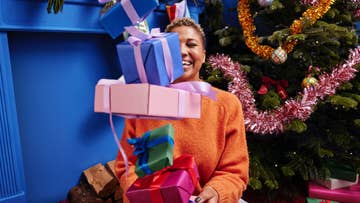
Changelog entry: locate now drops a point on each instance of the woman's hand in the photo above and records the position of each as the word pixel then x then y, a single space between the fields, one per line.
pixel 208 195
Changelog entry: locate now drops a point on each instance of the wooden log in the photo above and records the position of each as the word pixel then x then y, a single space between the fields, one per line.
pixel 82 193
pixel 100 180
pixel 110 166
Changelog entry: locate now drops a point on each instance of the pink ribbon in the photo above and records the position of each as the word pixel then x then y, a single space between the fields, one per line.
pixel 130 11
pixel 199 87
pixel 104 1
pixel 182 10
pixel 136 38
pixel 128 8
pixel 107 95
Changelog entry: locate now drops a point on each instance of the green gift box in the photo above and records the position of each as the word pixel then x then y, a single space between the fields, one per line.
pixel 341 171
pixel 154 150
pixel 314 200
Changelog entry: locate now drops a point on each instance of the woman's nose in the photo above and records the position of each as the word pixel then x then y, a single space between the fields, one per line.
pixel 183 50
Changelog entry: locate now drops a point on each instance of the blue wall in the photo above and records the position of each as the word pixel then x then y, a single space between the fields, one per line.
pixel 49 66
pixel 54 78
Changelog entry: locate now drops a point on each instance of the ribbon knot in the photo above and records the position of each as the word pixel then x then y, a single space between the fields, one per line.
pixel 137 37
pixel 267 82
pixel 140 144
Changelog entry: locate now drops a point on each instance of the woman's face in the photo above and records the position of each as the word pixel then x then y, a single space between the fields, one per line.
pixel 192 52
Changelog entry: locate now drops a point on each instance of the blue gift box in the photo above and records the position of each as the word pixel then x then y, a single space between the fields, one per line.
pixel 153 60
pixel 115 19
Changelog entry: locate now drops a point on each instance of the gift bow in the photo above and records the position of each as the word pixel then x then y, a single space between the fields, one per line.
pixel 280 86
pixel 136 38
pixel 142 146
pixel 155 180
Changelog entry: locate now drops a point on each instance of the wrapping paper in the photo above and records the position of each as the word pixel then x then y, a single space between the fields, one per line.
pixel 154 150
pixel 126 13
pixel 173 184
pixel 145 100
pixel 344 195
pixel 333 183
pixel 151 58
pixel 314 200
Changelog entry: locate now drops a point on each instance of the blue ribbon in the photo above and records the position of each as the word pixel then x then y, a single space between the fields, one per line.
pixel 142 146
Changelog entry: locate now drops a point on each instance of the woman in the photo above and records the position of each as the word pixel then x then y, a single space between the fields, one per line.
pixel 217 140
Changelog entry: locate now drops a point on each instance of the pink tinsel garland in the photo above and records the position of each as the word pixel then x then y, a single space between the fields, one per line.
pixel 356 4
pixel 301 107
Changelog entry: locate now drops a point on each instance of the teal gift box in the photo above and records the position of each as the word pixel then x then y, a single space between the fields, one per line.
pixel 116 18
pixel 153 60
pixel 154 150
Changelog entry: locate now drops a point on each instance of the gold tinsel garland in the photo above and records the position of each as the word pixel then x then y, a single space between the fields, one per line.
pixel 311 15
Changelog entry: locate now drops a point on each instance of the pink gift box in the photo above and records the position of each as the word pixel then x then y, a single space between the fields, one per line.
pixel 344 195
pixel 176 186
pixel 146 100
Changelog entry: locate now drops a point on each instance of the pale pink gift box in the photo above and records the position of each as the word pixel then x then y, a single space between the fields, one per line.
pixel 145 100
pixel 333 183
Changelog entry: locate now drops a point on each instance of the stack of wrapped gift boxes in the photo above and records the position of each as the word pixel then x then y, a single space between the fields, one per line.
pixel 150 62
pixel 342 186
pixel 160 178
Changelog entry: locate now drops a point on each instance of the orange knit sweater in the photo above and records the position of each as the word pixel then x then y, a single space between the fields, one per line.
pixel 217 141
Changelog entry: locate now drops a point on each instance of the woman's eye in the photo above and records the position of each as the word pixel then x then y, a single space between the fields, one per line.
pixel 191 44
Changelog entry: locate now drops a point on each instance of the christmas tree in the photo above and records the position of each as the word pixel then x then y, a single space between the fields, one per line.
pixel 293 65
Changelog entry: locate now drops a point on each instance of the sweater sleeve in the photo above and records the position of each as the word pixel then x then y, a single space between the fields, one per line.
pixel 126 180
pixel 231 175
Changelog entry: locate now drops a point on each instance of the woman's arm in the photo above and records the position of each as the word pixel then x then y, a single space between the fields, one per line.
pixel 126 180
pixel 231 176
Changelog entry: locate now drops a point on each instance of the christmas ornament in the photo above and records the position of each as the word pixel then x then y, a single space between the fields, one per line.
pixel 311 15
pixel 309 81
pixel 265 3
pixel 280 85
pixel 279 56
pixel 300 107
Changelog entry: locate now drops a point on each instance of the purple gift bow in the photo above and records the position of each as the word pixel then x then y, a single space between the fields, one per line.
pixel 200 87
pixel 128 8
pixel 136 38
pixel 107 97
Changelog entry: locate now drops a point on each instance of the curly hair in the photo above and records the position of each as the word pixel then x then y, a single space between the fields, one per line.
pixel 187 22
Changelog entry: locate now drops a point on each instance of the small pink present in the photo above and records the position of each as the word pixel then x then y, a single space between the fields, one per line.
pixel 145 100
pixel 334 183
pixel 344 195
pixel 173 184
